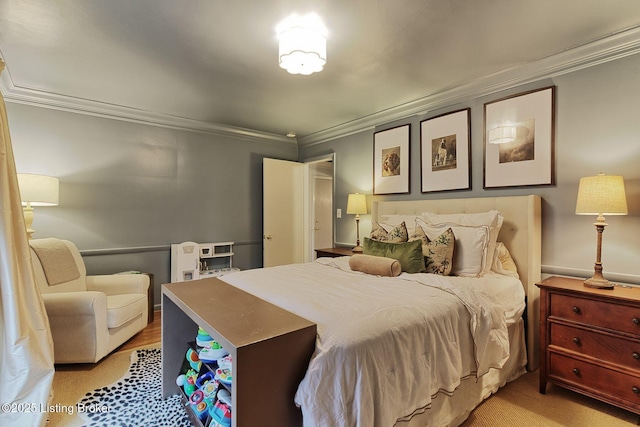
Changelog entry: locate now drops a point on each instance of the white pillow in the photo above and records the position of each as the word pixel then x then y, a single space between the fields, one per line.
pixel 390 221
pixel 470 253
pixel 492 219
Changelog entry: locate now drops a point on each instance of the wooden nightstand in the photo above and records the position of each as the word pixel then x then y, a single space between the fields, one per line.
pixel 590 340
pixel 333 252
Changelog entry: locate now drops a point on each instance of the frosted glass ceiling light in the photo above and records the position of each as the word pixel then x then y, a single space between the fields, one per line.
pixel 502 134
pixel 303 44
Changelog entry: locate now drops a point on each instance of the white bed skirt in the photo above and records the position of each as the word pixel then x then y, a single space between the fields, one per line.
pixel 454 410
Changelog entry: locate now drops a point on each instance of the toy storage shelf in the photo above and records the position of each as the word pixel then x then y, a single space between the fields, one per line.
pixel 210 367
pixel 270 346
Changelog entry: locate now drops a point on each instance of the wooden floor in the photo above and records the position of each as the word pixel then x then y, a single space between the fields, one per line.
pixel 149 335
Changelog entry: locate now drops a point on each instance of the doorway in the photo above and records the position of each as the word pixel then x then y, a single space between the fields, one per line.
pixel 321 214
pixel 295 196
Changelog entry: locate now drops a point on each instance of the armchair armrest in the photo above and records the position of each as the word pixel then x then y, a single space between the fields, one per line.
pixel 118 284
pixel 78 322
pixel 65 304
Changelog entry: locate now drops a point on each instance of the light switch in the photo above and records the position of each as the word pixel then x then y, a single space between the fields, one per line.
pixel 339 213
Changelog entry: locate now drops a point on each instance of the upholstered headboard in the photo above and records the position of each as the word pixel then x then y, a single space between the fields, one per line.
pixel 521 233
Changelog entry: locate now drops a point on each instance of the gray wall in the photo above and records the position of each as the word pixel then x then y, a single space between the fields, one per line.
pixel 597 129
pixel 129 190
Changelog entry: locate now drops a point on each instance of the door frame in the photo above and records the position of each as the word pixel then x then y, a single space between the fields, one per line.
pixel 308 202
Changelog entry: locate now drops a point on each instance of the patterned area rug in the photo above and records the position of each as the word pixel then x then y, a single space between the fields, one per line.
pixel 136 398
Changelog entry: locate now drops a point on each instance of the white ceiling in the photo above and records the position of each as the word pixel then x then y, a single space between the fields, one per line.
pixel 212 64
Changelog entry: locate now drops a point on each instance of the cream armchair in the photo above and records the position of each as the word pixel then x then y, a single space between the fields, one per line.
pixel 90 316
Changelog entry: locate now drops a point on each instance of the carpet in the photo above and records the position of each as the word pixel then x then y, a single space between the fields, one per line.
pixel 135 399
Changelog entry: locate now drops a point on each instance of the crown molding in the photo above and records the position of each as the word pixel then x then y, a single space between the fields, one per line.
pixel 609 48
pixel 39 98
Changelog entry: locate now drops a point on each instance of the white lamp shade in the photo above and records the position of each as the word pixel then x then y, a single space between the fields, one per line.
pixel 601 194
pixel 303 44
pixel 357 204
pixel 38 190
pixel 502 134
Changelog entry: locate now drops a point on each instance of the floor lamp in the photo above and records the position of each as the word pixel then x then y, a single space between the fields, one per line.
pixel 357 204
pixel 601 195
pixel 36 190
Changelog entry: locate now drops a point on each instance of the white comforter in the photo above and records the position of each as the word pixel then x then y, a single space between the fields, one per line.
pixel 386 346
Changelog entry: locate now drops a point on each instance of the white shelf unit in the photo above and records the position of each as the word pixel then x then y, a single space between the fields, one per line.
pixel 191 261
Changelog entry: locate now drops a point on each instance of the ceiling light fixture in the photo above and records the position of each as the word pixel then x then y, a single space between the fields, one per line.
pixel 502 134
pixel 303 44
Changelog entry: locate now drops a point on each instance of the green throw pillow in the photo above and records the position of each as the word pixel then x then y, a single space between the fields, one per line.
pixel 409 254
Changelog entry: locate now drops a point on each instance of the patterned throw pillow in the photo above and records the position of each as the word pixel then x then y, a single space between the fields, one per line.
pixel 504 264
pixel 397 234
pixel 438 253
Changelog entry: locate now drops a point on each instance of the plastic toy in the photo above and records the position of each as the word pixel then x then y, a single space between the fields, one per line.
pixel 213 353
pixel 210 389
pixel 187 382
pixel 220 414
pixel 226 362
pixel 204 378
pixel 199 404
pixel 224 376
pixel 224 396
pixel 180 380
pixel 194 359
pixel 203 339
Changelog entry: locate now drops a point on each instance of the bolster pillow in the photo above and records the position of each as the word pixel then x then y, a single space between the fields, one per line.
pixel 377 265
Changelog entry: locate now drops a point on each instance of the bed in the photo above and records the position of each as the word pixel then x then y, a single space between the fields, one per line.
pixel 417 349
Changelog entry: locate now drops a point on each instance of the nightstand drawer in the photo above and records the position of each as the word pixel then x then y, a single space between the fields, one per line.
pixel 609 384
pixel 607 348
pixel 613 316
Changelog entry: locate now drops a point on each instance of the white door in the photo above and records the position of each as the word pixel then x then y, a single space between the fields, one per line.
pixel 323 209
pixel 283 212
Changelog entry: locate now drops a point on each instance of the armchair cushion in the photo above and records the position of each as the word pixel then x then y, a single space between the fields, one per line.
pixel 116 284
pixel 122 308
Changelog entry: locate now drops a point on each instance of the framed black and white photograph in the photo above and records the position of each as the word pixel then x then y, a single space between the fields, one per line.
pixel 391 160
pixel 519 133
pixel 445 159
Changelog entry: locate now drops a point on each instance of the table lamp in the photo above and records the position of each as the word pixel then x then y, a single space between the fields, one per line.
pixel 601 195
pixel 36 190
pixel 357 204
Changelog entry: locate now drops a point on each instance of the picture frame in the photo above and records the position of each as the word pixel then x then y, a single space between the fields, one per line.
pixel 445 152
pixel 391 161
pixel 519 135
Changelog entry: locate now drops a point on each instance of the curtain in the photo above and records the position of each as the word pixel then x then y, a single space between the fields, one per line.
pixel 26 346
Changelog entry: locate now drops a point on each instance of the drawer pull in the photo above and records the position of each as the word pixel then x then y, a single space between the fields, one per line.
pixel 576 371
pixel 636 321
pixel 636 355
pixel 576 310
pixel 635 389
pixel 576 341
